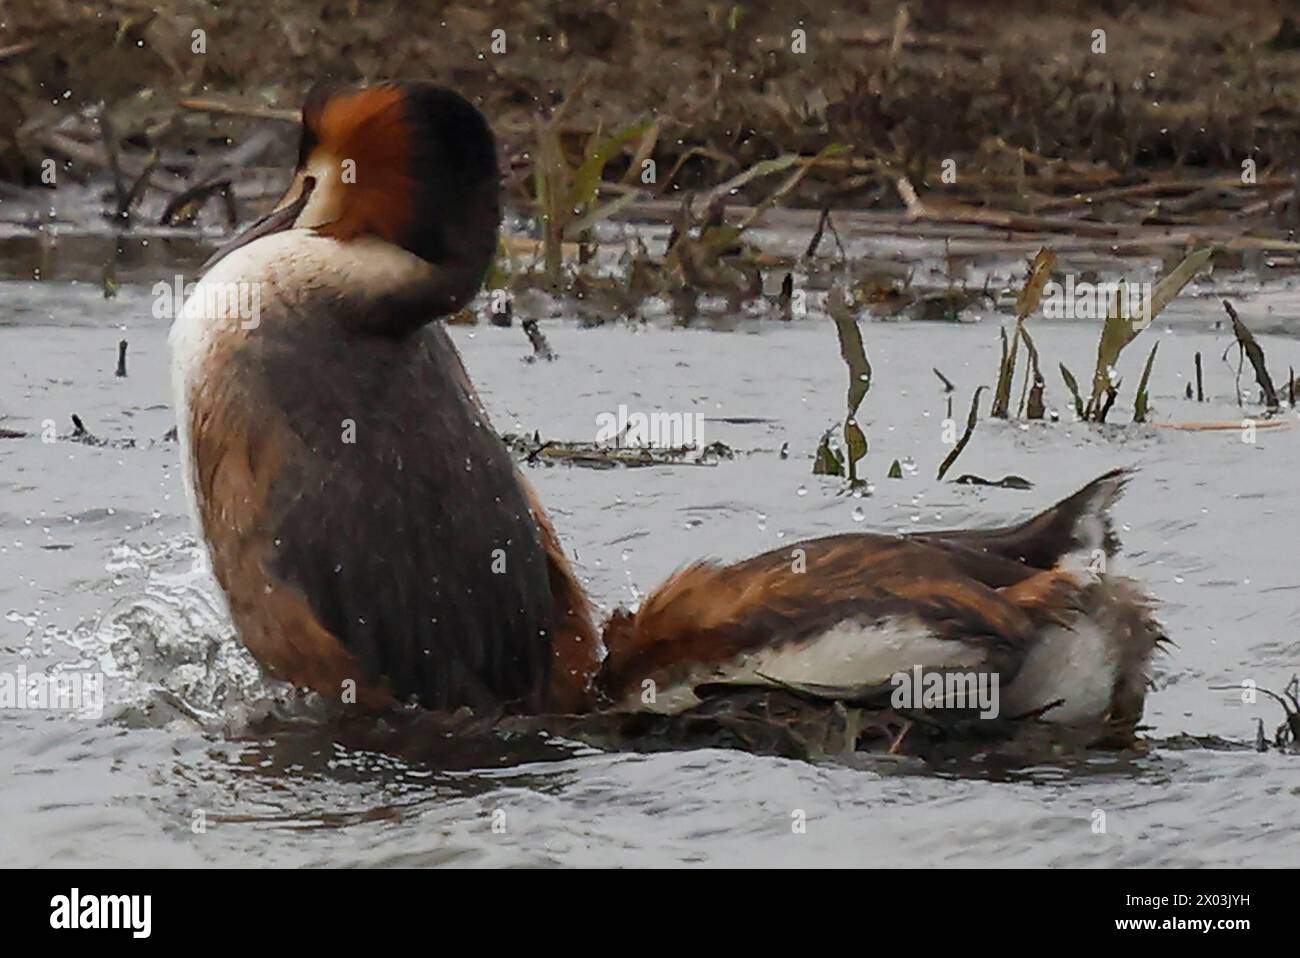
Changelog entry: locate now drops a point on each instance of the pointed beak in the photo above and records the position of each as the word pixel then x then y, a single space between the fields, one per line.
pixel 280 218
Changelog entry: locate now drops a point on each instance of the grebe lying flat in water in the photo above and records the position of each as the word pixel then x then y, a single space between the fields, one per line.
pixel 372 533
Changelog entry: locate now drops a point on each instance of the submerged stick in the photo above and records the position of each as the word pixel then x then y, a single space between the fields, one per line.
pixel 541 348
pixel 971 420
pixel 1290 706
pixel 816 240
pixel 1221 425
pixel 185 206
pixel 230 108
pixel 1111 395
pixel 1006 370
pixel 1033 407
pixel 824 223
pixel 109 137
pixel 138 187
pixel 1255 354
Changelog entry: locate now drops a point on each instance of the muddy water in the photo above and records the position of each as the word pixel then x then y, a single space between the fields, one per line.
pixel 99 571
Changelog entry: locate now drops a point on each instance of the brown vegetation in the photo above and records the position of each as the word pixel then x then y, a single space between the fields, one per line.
pixel 1014 95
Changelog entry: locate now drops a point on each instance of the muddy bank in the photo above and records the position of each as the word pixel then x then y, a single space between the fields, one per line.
pixel 133 138
pixel 1086 94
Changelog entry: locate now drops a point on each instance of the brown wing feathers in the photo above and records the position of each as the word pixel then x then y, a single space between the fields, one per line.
pixel 708 613
pixel 576 644
pixel 994 587
pixel 301 523
pixel 236 457
pixel 575 640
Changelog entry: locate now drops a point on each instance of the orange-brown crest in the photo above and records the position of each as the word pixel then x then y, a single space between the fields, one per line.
pixel 363 146
pixel 408 163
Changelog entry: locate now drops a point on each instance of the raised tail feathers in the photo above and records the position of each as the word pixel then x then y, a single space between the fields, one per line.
pixel 1077 525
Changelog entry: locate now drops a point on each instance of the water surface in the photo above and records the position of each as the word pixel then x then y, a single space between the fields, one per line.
pixel 100 571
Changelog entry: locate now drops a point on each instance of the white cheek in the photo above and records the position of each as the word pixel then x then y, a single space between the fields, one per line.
pixel 326 196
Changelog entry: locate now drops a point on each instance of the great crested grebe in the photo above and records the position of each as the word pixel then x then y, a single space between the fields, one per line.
pixel 372 533
pixel 842 618
pixel 368 527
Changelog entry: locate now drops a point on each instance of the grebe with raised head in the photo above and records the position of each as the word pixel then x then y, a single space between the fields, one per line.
pixel 367 526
